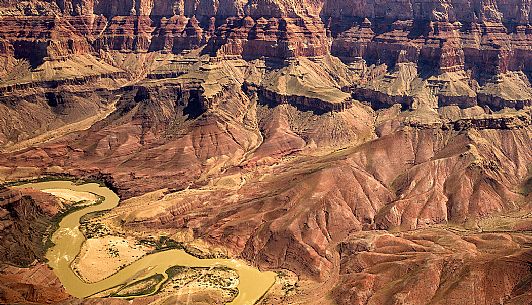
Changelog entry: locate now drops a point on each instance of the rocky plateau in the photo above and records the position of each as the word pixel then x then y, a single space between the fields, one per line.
pixel 369 152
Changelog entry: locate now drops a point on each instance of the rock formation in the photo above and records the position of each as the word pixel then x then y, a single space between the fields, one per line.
pixel 418 273
pixel 378 150
pixel 26 219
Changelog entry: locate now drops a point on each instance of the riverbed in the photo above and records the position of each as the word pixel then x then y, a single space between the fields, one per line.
pixel 68 239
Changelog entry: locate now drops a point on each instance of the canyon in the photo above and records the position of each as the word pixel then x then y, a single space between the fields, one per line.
pixel 368 152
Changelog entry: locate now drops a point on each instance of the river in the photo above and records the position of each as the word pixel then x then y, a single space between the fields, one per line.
pixel 68 239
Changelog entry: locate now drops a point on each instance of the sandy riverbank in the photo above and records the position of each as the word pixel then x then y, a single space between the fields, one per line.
pixel 102 257
pixel 82 198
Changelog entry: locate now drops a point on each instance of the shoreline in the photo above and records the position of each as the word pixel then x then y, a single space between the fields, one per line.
pixel 154 262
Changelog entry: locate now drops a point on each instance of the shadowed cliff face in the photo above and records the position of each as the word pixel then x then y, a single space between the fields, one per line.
pixel 379 151
pixel 26 219
pixel 25 214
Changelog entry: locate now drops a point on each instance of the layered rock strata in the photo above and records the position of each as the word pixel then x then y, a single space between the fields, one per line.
pixel 461 50
pixel 354 143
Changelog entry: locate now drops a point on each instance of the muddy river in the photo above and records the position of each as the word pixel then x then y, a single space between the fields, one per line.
pixel 68 240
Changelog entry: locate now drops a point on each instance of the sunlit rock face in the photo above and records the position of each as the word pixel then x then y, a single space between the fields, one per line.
pixel 486 38
pixel 377 151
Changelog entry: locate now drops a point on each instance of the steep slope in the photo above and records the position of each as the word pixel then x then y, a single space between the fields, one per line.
pixel 371 152
pixel 27 217
pixel 435 266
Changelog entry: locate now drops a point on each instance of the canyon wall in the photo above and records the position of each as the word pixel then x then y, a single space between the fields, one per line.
pixel 471 47
pixel 284 131
pixel 441 34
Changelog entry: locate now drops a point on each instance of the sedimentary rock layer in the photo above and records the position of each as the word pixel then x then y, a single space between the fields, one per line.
pixel 378 150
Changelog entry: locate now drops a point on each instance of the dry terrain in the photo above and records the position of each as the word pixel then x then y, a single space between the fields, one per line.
pixel 368 152
pixel 102 257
